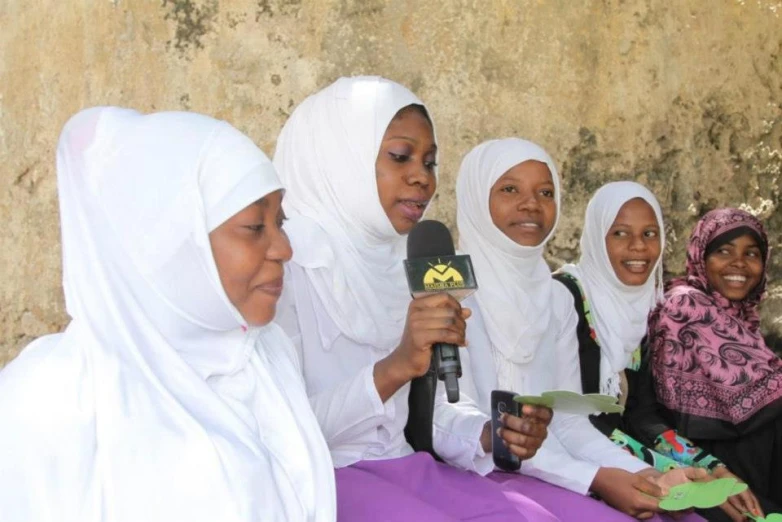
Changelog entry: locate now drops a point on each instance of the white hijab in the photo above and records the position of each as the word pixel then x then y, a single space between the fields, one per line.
pixel 514 281
pixel 619 311
pixel 165 405
pixel 341 235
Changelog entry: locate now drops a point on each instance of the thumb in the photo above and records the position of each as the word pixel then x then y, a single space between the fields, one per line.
pixel 696 474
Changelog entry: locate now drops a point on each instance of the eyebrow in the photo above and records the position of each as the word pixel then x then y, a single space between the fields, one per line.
pixel 620 224
pixel 515 178
pixel 411 140
pixel 753 245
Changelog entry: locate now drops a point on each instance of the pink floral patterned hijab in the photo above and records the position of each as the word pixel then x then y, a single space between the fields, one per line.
pixel 708 356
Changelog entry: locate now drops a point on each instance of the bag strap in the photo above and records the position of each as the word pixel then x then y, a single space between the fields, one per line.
pixel 420 418
pixel 588 349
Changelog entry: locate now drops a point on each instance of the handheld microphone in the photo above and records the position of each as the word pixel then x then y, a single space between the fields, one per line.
pixel 432 267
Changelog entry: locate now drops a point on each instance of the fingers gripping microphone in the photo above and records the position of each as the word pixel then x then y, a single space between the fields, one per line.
pixel 433 268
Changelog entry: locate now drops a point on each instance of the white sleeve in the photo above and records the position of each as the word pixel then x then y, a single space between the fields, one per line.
pixel 47 443
pixel 553 464
pixel 575 432
pixel 350 413
pixel 586 442
pixel 457 433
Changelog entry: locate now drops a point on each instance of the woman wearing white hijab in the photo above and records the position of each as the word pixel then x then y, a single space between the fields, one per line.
pixel 522 332
pixel 620 272
pixel 358 160
pixel 171 396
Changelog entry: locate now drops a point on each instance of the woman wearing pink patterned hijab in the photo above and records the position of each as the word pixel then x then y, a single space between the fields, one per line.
pixel 719 382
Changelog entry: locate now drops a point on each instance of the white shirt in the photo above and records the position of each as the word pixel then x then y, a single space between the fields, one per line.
pixel 339 377
pixel 574 450
pixel 51 456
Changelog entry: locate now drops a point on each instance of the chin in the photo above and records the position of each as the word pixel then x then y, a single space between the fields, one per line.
pixel 634 279
pixel 403 227
pixel 259 317
pixel 527 241
pixel 733 296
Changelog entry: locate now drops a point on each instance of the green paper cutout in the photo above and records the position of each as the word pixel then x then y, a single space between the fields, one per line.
pixel 773 517
pixel 701 495
pixel 571 402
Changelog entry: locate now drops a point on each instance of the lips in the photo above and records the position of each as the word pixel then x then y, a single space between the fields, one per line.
pixel 735 280
pixel 273 288
pixel 636 266
pixel 527 225
pixel 413 209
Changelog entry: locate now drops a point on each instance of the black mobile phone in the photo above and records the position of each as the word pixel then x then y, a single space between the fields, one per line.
pixel 502 402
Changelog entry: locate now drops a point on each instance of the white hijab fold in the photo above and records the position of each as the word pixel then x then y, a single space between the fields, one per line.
pixel 341 235
pixel 619 311
pixel 184 408
pixel 514 280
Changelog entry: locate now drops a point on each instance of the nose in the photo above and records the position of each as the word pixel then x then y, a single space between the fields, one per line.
pixel 280 247
pixel 638 244
pixel 419 175
pixel 739 261
pixel 528 202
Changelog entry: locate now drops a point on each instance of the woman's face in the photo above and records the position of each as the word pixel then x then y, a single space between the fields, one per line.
pixel 522 203
pixel 249 250
pixel 735 268
pixel 405 168
pixel 633 242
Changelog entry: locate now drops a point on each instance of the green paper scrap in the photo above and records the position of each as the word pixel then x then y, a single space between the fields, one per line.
pixel 701 495
pixel 570 402
pixel 773 517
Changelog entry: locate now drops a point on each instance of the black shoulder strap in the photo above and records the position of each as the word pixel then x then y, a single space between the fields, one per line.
pixel 588 349
pixel 420 418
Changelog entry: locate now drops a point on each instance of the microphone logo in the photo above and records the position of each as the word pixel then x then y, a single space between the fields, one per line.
pixel 442 277
pixel 450 274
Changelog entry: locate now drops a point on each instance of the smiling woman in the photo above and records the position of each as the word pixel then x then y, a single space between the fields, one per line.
pixel 717 381
pixel 522 203
pixel 735 262
pixel 633 242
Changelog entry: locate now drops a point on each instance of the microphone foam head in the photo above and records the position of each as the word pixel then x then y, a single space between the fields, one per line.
pixel 429 238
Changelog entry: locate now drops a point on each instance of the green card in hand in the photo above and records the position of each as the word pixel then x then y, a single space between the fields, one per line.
pixel 773 517
pixel 701 495
pixel 571 402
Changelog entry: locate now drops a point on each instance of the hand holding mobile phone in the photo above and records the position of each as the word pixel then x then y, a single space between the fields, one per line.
pixel 502 402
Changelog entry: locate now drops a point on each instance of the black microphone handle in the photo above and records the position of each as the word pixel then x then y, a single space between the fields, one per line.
pixel 449 368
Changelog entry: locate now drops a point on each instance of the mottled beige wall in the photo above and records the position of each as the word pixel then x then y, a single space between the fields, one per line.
pixel 682 95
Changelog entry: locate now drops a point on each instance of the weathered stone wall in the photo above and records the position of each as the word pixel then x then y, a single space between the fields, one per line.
pixel 684 96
